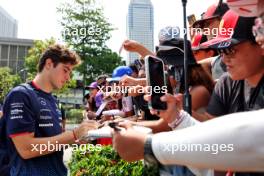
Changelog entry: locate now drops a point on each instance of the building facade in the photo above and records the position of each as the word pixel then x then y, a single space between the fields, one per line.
pixel 140 25
pixel 8 25
pixel 13 52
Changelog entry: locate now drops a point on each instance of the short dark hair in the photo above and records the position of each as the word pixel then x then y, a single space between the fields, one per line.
pixel 58 54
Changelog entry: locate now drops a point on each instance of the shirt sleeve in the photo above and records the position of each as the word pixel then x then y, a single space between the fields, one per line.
pixel 20 117
pixel 217 104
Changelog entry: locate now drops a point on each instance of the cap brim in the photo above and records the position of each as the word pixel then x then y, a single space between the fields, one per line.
pixel 113 79
pixel 200 23
pixel 167 48
pixel 220 43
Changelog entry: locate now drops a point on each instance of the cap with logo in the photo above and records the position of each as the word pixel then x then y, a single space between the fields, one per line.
pixel 213 12
pixel 233 29
pixel 119 72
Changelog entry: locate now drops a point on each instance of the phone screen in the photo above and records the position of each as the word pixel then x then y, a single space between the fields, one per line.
pixel 156 81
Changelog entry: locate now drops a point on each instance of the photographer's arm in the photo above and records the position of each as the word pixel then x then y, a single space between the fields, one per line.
pixel 134 46
pixel 234 148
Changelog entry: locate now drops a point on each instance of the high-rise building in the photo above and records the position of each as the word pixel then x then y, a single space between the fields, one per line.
pixel 140 25
pixel 8 25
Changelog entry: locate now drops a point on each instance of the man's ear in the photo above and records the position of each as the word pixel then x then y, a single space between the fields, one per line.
pixel 48 64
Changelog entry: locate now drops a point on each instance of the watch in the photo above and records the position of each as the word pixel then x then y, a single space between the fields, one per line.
pixel 149 156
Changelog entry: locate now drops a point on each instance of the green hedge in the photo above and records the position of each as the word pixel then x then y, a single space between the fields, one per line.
pixel 104 161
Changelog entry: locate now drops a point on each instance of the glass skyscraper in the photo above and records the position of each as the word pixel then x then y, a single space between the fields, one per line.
pixel 140 25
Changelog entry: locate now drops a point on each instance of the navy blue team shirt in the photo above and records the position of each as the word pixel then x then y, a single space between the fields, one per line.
pixel 21 115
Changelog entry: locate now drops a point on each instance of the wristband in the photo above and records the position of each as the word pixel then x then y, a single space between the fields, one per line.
pixel 74 135
pixel 177 121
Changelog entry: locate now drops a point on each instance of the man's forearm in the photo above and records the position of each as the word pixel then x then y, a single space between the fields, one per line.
pixel 226 143
pixel 29 147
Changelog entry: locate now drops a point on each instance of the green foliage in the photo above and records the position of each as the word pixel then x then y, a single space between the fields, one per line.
pixel 75 115
pixel 105 162
pixel 32 59
pixel 8 81
pixel 86 29
pixel 34 54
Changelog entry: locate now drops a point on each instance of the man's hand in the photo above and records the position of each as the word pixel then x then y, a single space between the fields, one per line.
pixel 174 106
pixel 85 127
pixel 129 143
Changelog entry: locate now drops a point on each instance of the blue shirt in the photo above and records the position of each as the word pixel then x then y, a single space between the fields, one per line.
pixel 22 117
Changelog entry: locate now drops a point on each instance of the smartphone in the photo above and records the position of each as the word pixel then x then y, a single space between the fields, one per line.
pixel 156 81
pixel 191 19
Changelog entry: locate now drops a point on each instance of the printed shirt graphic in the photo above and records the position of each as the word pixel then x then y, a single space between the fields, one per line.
pixel 21 117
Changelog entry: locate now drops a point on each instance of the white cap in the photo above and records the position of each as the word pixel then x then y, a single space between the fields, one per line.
pixel 246 8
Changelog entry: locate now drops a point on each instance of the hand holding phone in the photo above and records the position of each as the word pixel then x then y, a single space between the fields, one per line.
pixel 156 81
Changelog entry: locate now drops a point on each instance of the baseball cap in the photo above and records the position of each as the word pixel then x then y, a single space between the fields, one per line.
pixel 168 33
pixel 93 85
pixel 238 29
pixel 246 8
pixel 197 40
pixel 172 52
pixel 119 72
pixel 213 11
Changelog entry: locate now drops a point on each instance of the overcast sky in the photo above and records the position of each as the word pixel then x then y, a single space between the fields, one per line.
pixel 38 19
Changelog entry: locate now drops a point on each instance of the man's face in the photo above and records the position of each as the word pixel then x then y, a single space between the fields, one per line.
pixel 60 75
pixel 245 61
pixel 202 54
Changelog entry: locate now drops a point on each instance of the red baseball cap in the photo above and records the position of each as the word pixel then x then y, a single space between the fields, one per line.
pixel 197 40
pixel 213 11
pixel 233 29
pixel 246 8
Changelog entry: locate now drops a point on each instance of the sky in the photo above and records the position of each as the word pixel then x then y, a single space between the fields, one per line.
pixel 38 19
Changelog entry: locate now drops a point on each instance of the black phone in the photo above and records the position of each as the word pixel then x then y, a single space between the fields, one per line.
pixel 156 81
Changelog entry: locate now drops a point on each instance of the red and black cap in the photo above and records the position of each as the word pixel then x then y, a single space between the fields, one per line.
pixel 197 40
pixel 214 11
pixel 233 29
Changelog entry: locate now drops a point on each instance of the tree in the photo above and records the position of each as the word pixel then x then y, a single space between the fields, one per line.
pixel 86 30
pixel 34 54
pixel 32 59
pixel 8 81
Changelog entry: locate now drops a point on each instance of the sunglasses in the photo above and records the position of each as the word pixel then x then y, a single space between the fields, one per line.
pixel 226 51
